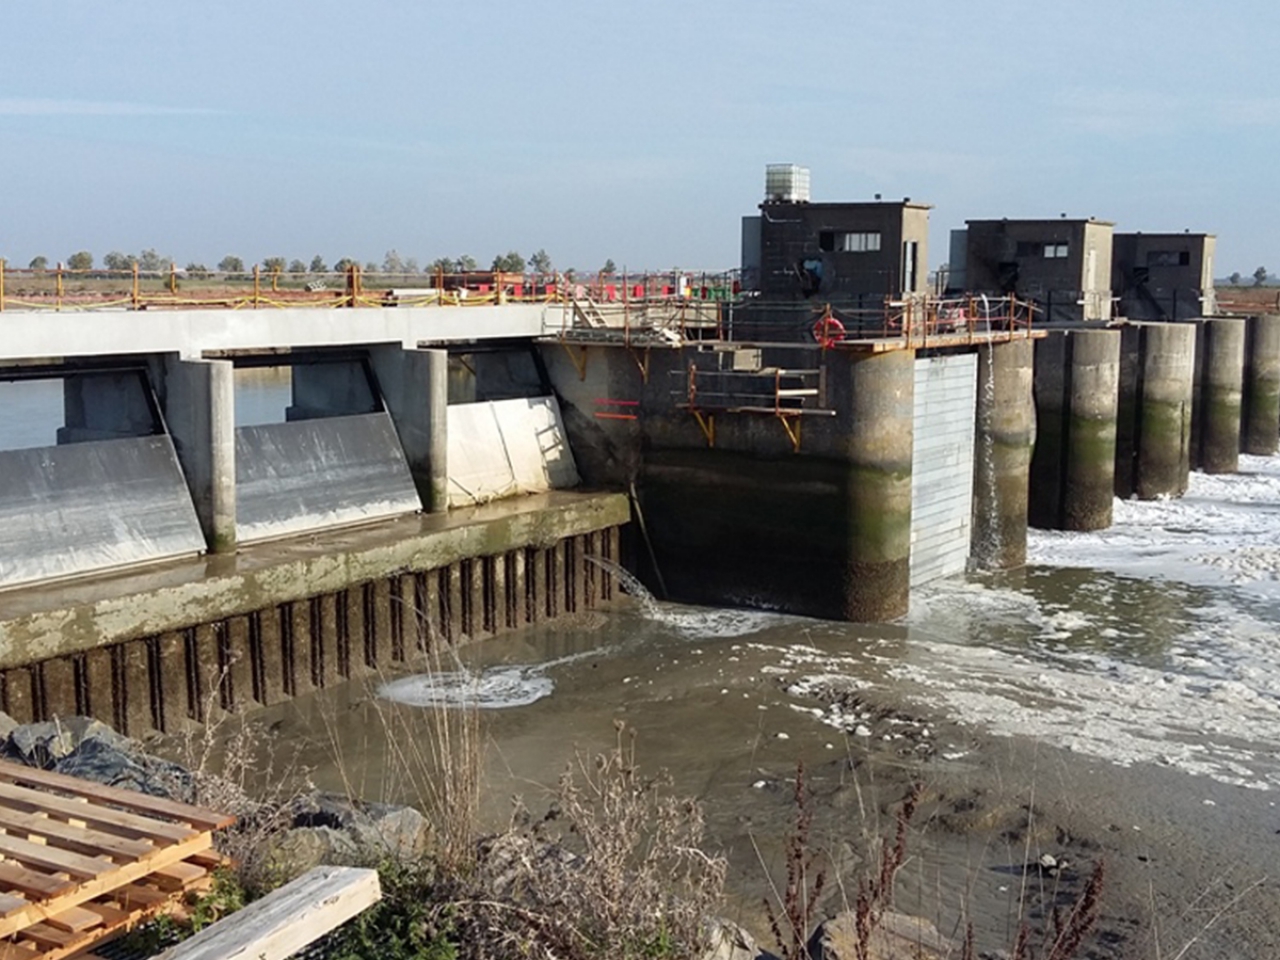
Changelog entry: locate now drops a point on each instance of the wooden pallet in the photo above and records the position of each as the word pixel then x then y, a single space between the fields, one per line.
pixel 81 862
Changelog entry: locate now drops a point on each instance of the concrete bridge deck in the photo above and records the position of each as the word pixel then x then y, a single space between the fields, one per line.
pixel 32 335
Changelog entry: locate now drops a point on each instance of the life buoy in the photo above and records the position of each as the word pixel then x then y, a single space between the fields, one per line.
pixel 828 331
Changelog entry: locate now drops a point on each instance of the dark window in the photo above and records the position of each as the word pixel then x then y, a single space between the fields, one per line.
pixel 827 241
pixel 1028 248
pixel 1168 258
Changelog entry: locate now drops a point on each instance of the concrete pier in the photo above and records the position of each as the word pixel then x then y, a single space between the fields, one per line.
pixel 1153 430
pixel 1077 378
pixel 1005 437
pixel 1260 426
pixel 1219 391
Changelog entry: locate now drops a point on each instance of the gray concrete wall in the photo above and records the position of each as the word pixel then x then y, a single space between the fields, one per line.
pixel 84 507
pixel 198 400
pixel 1219 394
pixel 1260 427
pixel 415 388
pixel 1005 437
pixel 745 518
pixel 191 333
pixel 308 475
pixel 1077 378
pixel 1153 429
pixel 338 389
pixel 106 406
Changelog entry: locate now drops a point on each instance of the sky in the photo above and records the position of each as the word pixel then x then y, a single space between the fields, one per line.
pixel 633 132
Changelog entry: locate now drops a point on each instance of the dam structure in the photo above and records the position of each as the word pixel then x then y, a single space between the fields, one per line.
pixel 819 433
pixel 443 472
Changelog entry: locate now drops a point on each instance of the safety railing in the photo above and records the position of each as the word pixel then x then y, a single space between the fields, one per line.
pixel 61 287
pixel 922 318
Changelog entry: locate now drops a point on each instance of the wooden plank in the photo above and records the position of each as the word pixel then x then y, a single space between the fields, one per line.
pixel 75 920
pixel 199 817
pixel 31 884
pixel 53 859
pixel 113 881
pixel 286 920
pixel 177 876
pixel 106 819
pixel 62 834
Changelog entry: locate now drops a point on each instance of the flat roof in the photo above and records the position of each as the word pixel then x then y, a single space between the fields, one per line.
pixel 1047 220
pixel 1167 236
pixel 844 205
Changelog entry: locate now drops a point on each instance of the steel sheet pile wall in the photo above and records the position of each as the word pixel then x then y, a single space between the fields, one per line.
pixel 83 507
pixel 942 472
pixel 203 672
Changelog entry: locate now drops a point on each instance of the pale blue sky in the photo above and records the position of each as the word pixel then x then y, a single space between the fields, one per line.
pixel 637 132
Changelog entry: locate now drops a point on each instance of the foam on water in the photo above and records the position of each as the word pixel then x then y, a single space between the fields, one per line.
pixel 1226 530
pixel 1199 690
pixel 497 688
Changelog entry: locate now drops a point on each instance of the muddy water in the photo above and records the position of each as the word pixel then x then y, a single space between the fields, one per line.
pixel 729 701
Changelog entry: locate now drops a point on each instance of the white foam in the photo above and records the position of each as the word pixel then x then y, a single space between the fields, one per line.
pixel 497 688
pixel 1226 530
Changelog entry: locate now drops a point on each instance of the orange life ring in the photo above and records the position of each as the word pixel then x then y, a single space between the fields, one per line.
pixel 828 331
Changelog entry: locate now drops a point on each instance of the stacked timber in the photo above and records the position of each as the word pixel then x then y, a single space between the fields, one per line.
pixel 81 862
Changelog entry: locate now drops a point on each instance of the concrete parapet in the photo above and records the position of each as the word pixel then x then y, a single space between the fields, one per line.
pixel 1077 376
pixel 1219 390
pixel 1005 436
pixel 1153 435
pixel 198 400
pixel 1260 428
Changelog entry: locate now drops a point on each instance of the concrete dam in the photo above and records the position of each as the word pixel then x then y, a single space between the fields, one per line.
pixel 444 473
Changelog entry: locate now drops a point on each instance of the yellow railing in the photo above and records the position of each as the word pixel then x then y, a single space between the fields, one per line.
pixel 63 288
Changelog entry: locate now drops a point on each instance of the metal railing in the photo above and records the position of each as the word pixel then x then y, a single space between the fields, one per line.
pixel 62 288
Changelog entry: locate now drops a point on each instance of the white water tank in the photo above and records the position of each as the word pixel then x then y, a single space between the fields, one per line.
pixel 786 183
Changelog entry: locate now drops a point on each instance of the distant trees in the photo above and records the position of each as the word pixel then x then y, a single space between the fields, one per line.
pixel 197 271
pixel 318 265
pixel 297 266
pixel 151 262
pixel 1235 279
pixel 540 261
pixel 609 268
pixel 80 260
pixel 1260 276
pixel 231 264
pixel 392 263
pixel 509 262
pixel 115 260
pixel 467 264
pixel 343 265
pixel 39 264
pixel 273 264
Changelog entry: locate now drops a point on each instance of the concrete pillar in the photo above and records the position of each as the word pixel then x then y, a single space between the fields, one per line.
pixel 1260 429
pixel 105 406
pixel 1077 379
pixel 198 400
pixel 881 406
pixel 415 388
pixel 1215 423
pixel 337 389
pixel 1005 435
pixel 1153 435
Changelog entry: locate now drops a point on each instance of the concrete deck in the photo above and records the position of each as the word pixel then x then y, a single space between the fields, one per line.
pixel 71 616
pixel 43 334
